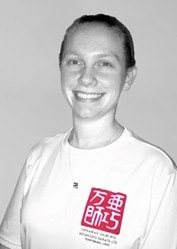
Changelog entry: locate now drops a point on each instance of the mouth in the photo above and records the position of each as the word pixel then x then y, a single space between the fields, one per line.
pixel 82 96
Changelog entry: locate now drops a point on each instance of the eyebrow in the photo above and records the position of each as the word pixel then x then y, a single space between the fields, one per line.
pixel 99 55
pixel 70 52
pixel 108 55
pixel 104 55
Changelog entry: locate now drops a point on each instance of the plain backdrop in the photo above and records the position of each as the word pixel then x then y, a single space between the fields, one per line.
pixel 31 102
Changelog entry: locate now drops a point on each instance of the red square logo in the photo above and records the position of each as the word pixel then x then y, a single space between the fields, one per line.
pixel 104 210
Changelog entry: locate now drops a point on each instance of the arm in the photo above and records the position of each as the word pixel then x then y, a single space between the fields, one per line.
pixel 10 227
pixel 3 247
pixel 162 225
pixel 10 235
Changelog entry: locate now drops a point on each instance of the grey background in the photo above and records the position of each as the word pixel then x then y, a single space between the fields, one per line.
pixel 31 103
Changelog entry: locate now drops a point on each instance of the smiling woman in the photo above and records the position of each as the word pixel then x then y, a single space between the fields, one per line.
pixel 93 74
pixel 97 184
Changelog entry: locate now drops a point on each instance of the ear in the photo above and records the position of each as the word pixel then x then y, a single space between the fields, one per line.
pixel 130 77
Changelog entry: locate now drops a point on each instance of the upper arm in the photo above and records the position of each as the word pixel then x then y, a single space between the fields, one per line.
pixel 10 227
pixel 162 225
pixel 11 224
pixel 3 247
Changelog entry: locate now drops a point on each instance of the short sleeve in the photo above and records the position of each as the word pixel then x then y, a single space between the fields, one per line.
pixel 161 230
pixel 10 227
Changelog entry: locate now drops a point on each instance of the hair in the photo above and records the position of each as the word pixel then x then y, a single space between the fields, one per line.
pixel 108 21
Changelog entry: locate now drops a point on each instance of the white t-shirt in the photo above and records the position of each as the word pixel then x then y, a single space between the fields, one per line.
pixel 126 198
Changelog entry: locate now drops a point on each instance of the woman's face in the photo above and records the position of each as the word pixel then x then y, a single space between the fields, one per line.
pixel 93 71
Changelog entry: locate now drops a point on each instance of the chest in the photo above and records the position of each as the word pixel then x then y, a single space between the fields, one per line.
pixel 109 208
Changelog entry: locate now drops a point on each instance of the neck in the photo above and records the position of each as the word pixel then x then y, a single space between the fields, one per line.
pixel 90 134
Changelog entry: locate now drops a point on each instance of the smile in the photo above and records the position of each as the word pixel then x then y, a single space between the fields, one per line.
pixel 88 96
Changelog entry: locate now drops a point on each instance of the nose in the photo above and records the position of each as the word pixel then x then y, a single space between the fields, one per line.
pixel 87 77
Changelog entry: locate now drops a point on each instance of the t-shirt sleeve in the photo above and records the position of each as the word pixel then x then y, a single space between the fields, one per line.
pixel 161 230
pixel 10 227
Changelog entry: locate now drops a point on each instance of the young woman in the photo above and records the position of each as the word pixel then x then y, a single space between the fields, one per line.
pixel 97 185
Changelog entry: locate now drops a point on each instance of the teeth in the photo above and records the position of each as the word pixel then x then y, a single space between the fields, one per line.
pixel 88 95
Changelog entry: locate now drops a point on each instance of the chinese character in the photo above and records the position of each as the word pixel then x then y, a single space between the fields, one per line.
pixel 116 202
pixel 104 210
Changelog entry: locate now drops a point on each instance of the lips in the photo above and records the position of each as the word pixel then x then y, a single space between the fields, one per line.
pixel 83 96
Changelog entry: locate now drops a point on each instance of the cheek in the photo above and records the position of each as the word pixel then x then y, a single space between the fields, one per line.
pixel 64 77
pixel 65 80
pixel 112 81
pixel 64 86
pixel 69 78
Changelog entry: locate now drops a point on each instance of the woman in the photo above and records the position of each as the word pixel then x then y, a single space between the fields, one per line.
pixel 98 185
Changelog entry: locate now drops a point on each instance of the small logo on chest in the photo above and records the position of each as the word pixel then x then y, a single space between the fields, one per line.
pixel 104 210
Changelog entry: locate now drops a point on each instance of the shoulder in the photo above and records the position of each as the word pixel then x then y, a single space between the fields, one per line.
pixel 47 143
pixel 42 150
pixel 152 154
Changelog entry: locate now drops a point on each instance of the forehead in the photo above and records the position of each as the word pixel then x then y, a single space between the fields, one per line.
pixel 92 37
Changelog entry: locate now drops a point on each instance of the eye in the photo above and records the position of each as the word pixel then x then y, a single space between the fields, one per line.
pixel 74 62
pixel 104 64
